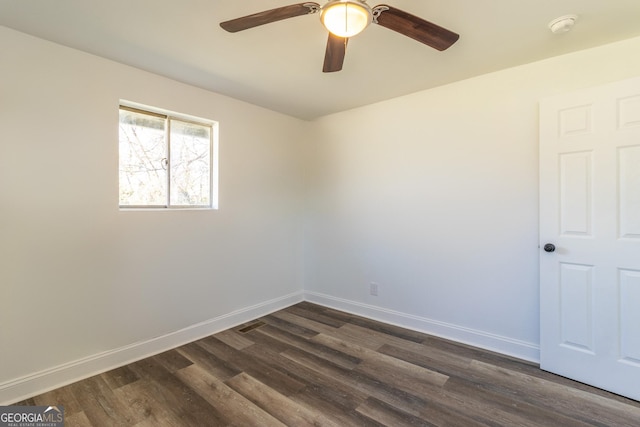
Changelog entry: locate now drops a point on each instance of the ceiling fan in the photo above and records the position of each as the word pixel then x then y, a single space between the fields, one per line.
pixel 346 18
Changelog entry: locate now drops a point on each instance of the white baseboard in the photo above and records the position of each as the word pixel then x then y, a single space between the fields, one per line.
pixel 508 346
pixel 40 382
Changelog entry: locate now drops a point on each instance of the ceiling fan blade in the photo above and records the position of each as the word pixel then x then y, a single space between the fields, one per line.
pixel 334 55
pixel 417 28
pixel 269 16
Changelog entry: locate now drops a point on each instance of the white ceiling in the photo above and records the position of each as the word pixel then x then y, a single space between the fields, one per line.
pixel 279 65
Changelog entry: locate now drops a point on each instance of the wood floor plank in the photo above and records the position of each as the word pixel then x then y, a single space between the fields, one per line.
pixel 387 329
pixel 235 408
pixel 168 390
pixel 77 419
pixel 291 341
pixel 100 405
pixel 427 407
pixel 119 377
pixel 563 399
pixel 388 415
pixel 404 371
pixel 401 377
pixel 173 360
pixel 441 404
pixel 321 314
pixel 377 338
pixel 259 370
pixel 304 322
pixel 475 353
pixel 357 381
pixel 357 335
pixel 324 400
pixel 274 339
pixel 278 405
pixel 321 393
pixel 62 396
pixel 344 396
pixel 343 376
pixel 435 359
pixel 522 366
pixel 148 405
pixel 315 316
pixel 313 365
pixel 234 339
pixel 509 409
pixel 209 361
pixel 293 328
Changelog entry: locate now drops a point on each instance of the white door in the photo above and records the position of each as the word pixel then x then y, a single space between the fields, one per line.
pixel 590 212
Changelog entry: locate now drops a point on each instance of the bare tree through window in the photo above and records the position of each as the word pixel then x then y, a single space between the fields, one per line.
pixel 164 161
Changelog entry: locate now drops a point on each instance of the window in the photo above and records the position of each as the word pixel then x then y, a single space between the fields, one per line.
pixel 166 160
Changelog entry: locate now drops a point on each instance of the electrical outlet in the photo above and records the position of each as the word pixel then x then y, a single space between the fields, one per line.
pixel 373 289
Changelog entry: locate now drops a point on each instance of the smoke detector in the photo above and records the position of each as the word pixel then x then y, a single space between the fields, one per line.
pixel 563 24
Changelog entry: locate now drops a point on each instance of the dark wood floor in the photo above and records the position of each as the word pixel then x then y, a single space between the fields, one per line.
pixel 312 366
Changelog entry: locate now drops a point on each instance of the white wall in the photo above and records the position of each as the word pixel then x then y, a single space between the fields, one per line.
pixel 434 196
pixel 79 277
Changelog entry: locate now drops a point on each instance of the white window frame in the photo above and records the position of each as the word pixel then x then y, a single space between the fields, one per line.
pixel 213 161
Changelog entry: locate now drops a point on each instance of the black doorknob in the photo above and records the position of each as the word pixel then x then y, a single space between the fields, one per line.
pixel 549 247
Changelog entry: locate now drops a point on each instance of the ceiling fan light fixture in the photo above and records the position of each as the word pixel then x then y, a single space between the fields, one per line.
pixel 346 18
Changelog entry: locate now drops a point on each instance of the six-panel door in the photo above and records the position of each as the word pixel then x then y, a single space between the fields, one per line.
pixel 590 210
